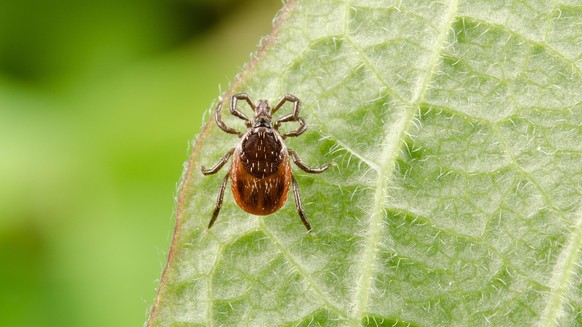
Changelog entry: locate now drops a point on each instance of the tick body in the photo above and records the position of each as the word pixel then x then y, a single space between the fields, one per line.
pixel 260 173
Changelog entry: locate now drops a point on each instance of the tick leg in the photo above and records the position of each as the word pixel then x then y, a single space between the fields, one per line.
pixel 299 205
pixel 304 167
pixel 218 201
pixel 221 124
pixel 294 116
pixel 219 165
pixel 238 113
pixel 299 131
pixel 290 98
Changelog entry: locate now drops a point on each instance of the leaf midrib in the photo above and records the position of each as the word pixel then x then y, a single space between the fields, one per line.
pixel 388 158
pixel 563 273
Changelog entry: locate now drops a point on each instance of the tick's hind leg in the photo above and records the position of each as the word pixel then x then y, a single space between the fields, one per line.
pixel 218 201
pixel 299 205
pixel 304 167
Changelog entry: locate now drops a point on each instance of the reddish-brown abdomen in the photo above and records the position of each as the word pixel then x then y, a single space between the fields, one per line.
pixel 260 172
pixel 260 196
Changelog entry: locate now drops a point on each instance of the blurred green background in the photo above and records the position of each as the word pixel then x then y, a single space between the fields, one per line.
pixel 98 103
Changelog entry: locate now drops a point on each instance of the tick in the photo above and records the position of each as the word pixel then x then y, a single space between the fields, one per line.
pixel 260 172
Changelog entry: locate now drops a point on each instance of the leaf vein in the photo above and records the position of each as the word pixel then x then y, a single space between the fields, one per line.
pixel 563 275
pixel 543 44
pixel 300 270
pixel 392 140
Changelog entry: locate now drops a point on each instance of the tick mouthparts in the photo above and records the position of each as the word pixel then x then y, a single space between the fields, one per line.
pixel 262 122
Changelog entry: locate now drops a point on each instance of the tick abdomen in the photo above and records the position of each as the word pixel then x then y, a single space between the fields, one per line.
pixel 260 173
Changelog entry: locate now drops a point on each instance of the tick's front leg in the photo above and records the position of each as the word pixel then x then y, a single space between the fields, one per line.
pixel 294 116
pixel 221 124
pixel 290 98
pixel 238 113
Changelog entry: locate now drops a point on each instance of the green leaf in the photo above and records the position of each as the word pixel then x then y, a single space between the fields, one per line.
pixel 457 132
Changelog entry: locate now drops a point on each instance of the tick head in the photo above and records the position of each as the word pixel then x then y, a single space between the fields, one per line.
pixel 262 117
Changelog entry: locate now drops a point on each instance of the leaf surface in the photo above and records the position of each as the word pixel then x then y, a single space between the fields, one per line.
pixel 456 129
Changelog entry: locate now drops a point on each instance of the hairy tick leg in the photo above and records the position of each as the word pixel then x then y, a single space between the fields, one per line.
pixel 304 167
pixel 298 204
pixel 219 165
pixel 218 201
